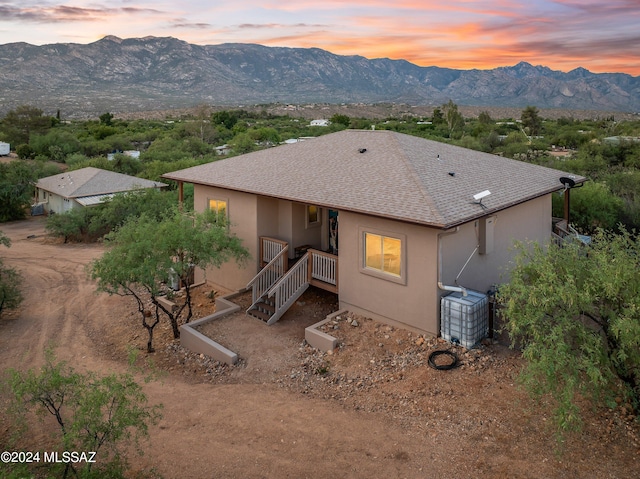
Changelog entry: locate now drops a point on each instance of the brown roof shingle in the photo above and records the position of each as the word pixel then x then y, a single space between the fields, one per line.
pixel 398 176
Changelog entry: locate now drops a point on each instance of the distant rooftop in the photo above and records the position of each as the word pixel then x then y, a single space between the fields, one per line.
pixel 92 182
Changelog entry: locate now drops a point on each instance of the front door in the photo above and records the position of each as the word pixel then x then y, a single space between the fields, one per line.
pixel 333 231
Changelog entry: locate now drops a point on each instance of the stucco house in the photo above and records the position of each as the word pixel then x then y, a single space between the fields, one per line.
pixel 85 187
pixel 389 222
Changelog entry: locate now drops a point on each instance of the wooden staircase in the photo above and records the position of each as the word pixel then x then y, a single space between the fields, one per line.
pixel 264 309
pixel 273 303
pixel 275 288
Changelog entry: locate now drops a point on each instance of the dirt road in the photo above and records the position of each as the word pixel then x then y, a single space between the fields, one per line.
pixel 247 428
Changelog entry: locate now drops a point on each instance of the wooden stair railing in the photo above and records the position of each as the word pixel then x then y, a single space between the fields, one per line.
pixel 267 276
pixel 314 268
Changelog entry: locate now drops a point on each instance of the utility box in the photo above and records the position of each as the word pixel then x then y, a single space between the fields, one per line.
pixel 464 319
pixel 5 148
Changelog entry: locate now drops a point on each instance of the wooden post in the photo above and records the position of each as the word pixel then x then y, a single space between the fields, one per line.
pixel 566 205
pixel 180 194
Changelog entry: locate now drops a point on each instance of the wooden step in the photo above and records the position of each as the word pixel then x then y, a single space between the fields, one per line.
pixel 267 306
pixel 261 315
pixel 262 310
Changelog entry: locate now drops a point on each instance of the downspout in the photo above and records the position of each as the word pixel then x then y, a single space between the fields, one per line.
pixel 444 287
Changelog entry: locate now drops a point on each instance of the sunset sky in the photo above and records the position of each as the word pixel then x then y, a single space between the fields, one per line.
pixel 601 36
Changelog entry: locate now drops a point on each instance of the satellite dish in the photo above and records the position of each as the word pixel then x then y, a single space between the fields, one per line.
pixel 567 182
pixel 479 196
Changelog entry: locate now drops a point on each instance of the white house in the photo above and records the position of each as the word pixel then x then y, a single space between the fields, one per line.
pixel 85 187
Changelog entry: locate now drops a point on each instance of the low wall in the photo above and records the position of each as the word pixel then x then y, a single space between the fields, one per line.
pixel 197 342
pixel 319 340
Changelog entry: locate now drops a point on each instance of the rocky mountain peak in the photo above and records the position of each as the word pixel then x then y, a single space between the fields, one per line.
pixel 116 74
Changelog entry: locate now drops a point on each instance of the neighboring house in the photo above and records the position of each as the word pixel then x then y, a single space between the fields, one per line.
pixel 321 122
pixel 5 148
pixel 388 221
pixel 222 150
pixel 616 140
pixel 130 153
pixel 85 187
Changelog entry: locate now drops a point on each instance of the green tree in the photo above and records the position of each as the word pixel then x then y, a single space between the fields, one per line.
pixel 453 118
pixel 18 125
pixel 106 118
pixel 242 143
pixel 437 117
pixel 72 225
pixel 485 118
pixel 594 206
pixel 339 119
pixel 195 241
pixel 130 273
pixel 89 224
pixel 145 255
pixel 16 190
pixel 531 120
pixel 200 126
pixel 25 152
pixel 56 144
pixel 226 118
pixel 102 414
pixel 126 164
pixel 115 211
pixel 265 136
pixel 626 186
pixel 575 313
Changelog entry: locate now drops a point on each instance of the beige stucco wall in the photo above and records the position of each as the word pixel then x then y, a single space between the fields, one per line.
pixel 411 303
pixel 416 303
pixel 242 210
pixel 253 216
pixel 529 221
pixel 286 221
pixel 304 234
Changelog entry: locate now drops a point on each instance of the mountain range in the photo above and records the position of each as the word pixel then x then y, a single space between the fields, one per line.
pixel 137 74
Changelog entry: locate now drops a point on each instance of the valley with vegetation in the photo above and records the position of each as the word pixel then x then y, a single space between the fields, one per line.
pixel 602 147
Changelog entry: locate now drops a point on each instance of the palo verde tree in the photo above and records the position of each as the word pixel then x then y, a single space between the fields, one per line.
pixel 131 272
pixel 147 254
pixel 93 414
pixel 195 241
pixel 576 314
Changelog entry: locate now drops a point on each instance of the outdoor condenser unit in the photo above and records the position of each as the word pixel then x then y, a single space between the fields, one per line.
pixel 464 319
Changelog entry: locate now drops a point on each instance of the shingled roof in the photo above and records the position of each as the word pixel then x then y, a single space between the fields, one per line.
pixel 382 173
pixel 93 182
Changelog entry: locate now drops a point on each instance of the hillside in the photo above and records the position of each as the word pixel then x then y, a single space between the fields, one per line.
pixel 151 73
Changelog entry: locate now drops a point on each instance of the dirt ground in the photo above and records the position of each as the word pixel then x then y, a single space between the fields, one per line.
pixel 371 408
